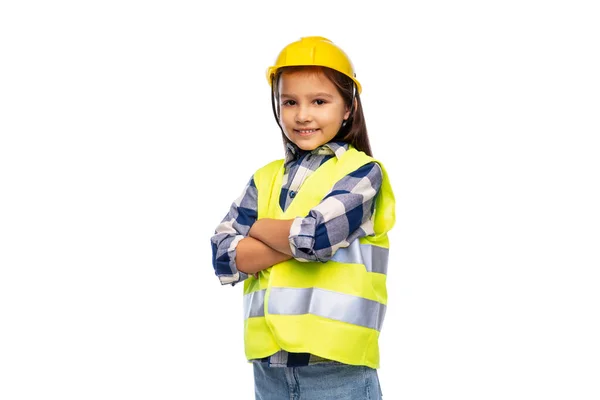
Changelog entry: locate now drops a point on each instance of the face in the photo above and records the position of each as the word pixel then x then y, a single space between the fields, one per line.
pixel 312 109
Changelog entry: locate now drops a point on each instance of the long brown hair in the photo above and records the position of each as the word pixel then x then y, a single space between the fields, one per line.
pixel 354 130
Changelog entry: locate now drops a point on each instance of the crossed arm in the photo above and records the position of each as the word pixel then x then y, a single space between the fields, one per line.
pixel 243 245
pixel 266 245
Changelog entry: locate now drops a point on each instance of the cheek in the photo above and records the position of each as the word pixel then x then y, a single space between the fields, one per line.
pixel 285 120
pixel 285 114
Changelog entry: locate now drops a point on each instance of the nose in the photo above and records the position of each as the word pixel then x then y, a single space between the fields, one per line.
pixel 302 115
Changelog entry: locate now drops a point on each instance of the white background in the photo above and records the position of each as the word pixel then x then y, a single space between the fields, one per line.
pixel 128 128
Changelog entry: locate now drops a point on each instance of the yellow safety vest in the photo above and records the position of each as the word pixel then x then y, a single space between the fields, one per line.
pixel 334 310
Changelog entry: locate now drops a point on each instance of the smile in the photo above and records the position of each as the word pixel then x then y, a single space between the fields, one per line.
pixel 305 132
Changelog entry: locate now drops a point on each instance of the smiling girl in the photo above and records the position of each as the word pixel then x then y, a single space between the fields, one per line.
pixel 308 236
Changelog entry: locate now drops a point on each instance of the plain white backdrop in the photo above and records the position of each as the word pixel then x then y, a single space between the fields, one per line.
pixel 128 128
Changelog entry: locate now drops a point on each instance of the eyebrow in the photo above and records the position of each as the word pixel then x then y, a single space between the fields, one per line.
pixel 319 94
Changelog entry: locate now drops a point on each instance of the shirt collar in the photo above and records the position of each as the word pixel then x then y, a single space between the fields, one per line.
pixel 293 152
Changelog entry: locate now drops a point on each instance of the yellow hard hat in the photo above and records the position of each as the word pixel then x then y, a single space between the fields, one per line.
pixel 314 50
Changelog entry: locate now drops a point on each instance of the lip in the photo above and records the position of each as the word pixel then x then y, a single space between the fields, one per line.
pixel 306 132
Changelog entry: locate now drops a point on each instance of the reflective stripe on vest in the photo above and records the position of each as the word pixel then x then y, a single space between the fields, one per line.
pixel 254 304
pixel 323 303
pixel 374 258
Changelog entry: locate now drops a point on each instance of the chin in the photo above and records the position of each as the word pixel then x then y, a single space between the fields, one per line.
pixel 307 146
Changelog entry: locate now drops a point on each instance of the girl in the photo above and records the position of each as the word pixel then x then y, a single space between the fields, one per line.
pixel 308 236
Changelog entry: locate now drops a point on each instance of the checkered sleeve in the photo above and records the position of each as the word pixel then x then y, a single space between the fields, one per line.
pixel 233 228
pixel 343 216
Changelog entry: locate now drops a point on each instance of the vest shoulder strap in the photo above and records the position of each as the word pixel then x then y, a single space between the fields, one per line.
pixel 264 180
pixel 350 161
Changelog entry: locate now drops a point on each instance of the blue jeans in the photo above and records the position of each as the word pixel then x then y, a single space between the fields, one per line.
pixel 316 382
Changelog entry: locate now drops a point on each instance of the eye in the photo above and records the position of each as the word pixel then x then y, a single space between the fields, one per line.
pixel 320 102
pixel 289 103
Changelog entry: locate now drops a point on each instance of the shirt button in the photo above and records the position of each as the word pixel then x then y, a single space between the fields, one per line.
pixel 292 194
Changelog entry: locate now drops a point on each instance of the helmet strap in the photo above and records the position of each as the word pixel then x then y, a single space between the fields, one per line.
pixel 351 106
pixel 274 106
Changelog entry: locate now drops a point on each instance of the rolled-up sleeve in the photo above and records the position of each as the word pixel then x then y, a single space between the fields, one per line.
pixel 233 228
pixel 343 216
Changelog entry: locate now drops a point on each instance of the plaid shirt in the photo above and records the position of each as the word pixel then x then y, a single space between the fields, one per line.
pixel 343 216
